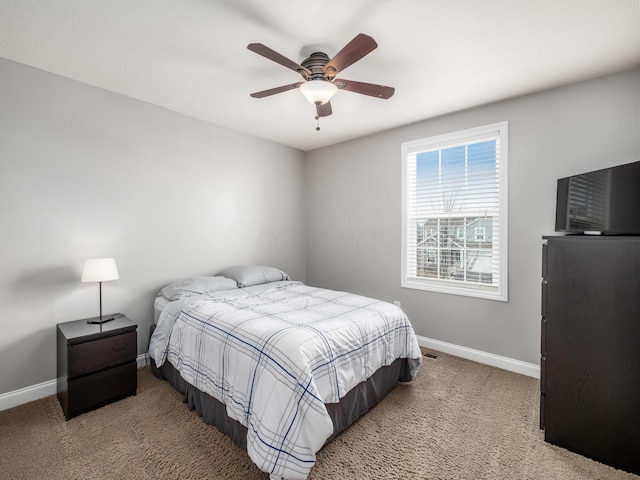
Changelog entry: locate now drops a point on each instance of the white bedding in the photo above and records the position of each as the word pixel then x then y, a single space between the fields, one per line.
pixel 274 354
pixel 158 306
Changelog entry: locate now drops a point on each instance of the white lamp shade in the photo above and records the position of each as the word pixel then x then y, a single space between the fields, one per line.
pixel 318 92
pixel 99 270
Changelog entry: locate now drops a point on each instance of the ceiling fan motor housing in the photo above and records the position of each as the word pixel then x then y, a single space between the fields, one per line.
pixel 315 64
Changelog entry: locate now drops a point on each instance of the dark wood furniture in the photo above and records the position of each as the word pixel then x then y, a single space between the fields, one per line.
pixel 96 363
pixel 590 362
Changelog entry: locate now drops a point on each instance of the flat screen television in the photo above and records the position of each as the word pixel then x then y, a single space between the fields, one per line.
pixel 603 202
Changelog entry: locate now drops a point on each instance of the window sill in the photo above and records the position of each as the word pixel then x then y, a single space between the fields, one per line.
pixel 486 293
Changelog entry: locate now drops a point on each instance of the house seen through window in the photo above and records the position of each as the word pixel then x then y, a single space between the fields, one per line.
pixel 455 213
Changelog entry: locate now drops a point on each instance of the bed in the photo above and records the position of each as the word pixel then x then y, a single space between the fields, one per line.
pixel 279 366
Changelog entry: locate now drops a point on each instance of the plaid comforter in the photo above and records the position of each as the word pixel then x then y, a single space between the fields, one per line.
pixel 275 356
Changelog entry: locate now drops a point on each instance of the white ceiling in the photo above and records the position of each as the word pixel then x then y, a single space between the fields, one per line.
pixel 190 56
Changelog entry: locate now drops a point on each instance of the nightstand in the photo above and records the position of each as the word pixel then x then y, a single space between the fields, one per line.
pixel 96 363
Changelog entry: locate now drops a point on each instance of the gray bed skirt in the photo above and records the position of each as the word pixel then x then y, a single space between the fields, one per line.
pixel 353 405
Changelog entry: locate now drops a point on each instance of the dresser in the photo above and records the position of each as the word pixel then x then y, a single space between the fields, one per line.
pixel 590 347
pixel 96 363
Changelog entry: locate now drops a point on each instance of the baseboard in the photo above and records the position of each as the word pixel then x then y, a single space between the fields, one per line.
pixel 36 392
pixel 27 394
pixel 143 360
pixel 517 366
pixel 45 389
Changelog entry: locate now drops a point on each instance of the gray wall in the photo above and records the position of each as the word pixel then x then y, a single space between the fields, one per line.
pixel 87 173
pixel 354 206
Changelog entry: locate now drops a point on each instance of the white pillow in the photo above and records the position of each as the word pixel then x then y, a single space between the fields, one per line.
pixel 188 287
pixel 249 275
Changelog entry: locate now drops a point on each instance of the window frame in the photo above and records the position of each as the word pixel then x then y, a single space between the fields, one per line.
pixel 462 137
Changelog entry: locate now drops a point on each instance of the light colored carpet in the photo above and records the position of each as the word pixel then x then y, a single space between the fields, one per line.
pixel 458 420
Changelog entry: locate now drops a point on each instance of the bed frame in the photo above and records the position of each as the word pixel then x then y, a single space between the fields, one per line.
pixel 353 405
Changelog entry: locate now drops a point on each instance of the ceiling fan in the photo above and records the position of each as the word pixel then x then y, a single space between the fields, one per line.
pixel 319 74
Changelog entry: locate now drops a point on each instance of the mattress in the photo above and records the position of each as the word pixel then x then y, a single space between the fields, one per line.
pixel 158 306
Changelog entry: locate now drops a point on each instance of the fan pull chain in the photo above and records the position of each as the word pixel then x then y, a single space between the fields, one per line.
pixel 318 120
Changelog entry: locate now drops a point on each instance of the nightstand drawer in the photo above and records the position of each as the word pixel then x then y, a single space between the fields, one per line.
pixel 101 388
pixel 102 353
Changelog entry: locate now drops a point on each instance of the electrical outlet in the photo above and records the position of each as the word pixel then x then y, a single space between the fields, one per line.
pixel 397 303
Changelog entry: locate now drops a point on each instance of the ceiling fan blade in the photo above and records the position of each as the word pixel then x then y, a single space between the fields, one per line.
pixel 353 51
pixel 324 110
pixel 379 91
pixel 273 91
pixel 274 56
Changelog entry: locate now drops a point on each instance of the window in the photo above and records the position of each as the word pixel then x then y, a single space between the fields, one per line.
pixel 454 213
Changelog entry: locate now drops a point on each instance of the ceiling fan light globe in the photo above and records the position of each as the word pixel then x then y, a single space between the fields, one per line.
pixel 318 92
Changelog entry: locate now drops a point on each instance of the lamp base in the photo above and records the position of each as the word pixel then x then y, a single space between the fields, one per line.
pixel 102 320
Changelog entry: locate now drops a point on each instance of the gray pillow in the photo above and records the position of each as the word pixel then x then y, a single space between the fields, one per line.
pixel 188 287
pixel 249 275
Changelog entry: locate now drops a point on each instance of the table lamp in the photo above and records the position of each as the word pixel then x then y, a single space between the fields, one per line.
pixel 100 270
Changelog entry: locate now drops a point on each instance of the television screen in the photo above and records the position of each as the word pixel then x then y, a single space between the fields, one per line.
pixel 605 201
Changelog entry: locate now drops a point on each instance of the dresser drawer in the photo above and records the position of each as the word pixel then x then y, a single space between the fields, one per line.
pixel 101 388
pixel 95 355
